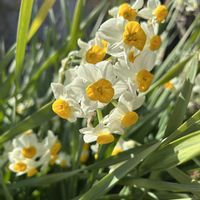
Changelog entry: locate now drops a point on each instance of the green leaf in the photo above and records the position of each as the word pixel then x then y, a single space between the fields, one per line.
pixel 180 106
pixel 173 154
pixel 22 33
pixel 191 125
pixel 161 185
pixel 36 119
pixel 75 26
pixel 40 17
pixel 105 184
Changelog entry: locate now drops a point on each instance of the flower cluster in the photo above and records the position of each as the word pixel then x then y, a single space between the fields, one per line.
pixel 27 154
pixel 114 72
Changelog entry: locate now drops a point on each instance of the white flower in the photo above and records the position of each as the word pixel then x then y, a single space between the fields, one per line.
pixel 154 11
pixel 154 41
pixel 137 73
pixel 63 160
pixel 21 167
pixel 123 115
pixel 65 105
pixel 101 134
pixel 95 85
pixel 94 51
pixel 52 146
pixel 126 11
pixel 25 147
pixel 123 37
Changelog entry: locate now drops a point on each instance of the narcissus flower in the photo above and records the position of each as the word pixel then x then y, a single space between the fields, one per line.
pixel 138 73
pixel 94 51
pixel 154 11
pixel 63 160
pixel 65 105
pixel 127 11
pixel 123 115
pixel 101 134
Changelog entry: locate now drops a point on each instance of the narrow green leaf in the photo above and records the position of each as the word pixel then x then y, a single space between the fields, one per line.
pixel 40 17
pixel 180 106
pixel 161 185
pixel 75 26
pixel 36 119
pixel 191 125
pixel 173 154
pixel 105 184
pixel 22 33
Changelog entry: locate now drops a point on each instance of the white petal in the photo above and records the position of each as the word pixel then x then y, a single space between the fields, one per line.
pixel 113 12
pixel 88 72
pixel 112 30
pixel 89 138
pixel 82 45
pixel 145 13
pixel 57 89
pixel 138 4
pixel 153 4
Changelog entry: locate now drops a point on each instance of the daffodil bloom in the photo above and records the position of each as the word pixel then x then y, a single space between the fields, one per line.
pixel 52 146
pixel 65 105
pixel 127 11
pixel 101 134
pixel 124 114
pixel 154 40
pixel 94 51
pixel 26 146
pixel 138 73
pixel 154 11
pixel 63 160
pixel 98 83
pixel 28 167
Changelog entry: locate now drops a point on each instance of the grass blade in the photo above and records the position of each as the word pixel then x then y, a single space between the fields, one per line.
pixel 40 17
pixel 22 33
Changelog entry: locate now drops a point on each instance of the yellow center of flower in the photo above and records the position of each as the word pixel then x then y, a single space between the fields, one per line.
pixel 29 152
pixel 20 167
pixel 55 148
pixel 160 13
pixel 101 91
pixel 131 56
pixel 134 35
pixel 62 108
pixel 127 12
pixel 32 172
pixel 84 156
pixel 129 119
pixel 169 85
pixel 144 79
pixel 96 53
pixel 116 151
pixel 105 138
pixel 155 42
